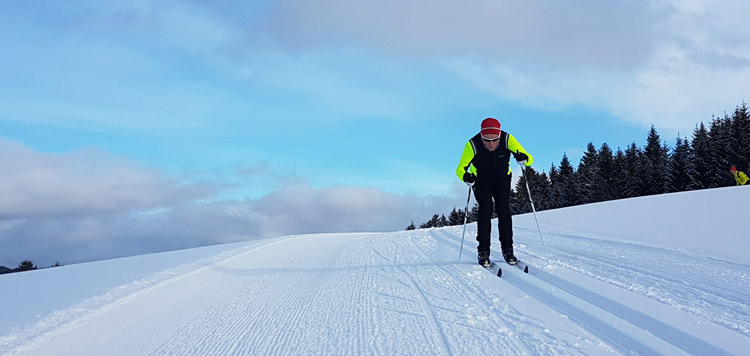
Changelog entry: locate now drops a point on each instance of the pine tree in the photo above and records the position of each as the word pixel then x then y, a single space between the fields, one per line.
pixel 411 226
pixel 456 217
pixel 618 173
pixel 588 178
pixel 681 170
pixel 26 265
pixel 519 200
pixel 607 185
pixel 436 221
pixel 655 160
pixel 430 223
pixel 555 194
pixel 741 138
pixel 720 152
pixel 632 179
pixel 541 190
pixel 701 156
pixel 567 183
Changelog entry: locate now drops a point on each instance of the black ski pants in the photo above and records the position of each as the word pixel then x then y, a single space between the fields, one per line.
pixel 499 192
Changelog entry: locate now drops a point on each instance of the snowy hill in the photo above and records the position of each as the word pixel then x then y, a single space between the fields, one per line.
pixel 663 275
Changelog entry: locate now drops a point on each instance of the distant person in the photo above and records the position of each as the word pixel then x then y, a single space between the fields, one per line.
pixel 739 176
pixel 485 166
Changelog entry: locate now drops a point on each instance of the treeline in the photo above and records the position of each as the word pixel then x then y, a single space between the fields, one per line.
pixel 455 217
pixel 25 265
pixel 701 161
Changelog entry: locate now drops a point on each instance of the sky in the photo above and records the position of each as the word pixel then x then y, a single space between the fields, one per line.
pixel 151 125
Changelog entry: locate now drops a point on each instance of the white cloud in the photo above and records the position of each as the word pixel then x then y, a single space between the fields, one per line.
pixel 301 209
pixel 296 209
pixel 36 184
pixel 88 205
pixel 668 63
pixel 609 34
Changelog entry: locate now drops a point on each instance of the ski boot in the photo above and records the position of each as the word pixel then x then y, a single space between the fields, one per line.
pixel 509 257
pixel 483 258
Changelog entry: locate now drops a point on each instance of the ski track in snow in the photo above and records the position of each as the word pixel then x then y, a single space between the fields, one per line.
pixel 701 286
pixel 405 293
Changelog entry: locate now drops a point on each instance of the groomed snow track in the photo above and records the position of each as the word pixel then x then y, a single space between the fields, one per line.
pixel 404 293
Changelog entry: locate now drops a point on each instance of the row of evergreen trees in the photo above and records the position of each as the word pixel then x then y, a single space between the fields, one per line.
pixel 699 162
pixel 25 265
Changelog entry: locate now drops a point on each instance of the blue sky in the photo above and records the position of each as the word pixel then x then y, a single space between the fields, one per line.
pixel 148 125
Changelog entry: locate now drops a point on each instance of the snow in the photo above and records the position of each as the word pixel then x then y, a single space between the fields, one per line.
pixel 660 275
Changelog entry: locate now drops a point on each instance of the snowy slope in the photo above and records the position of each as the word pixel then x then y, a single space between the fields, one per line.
pixel 665 275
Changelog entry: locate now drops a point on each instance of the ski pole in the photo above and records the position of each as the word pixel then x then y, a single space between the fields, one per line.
pixel 532 206
pixel 466 215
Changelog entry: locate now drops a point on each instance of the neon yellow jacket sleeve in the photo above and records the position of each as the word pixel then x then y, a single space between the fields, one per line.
pixel 514 146
pixel 464 164
pixel 741 178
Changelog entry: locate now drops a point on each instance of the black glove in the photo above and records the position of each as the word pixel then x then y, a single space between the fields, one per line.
pixel 469 178
pixel 520 156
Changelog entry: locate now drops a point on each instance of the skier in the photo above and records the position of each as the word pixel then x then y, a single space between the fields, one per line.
pixel 739 176
pixel 485 166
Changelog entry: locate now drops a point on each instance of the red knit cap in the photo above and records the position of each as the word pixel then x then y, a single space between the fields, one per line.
pixel 490 126
pixel 733 169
